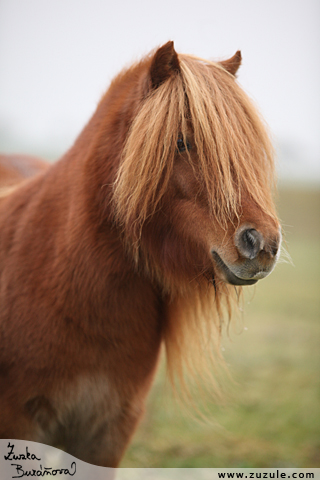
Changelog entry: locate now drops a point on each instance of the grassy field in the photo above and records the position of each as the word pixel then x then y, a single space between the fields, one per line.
pixel 272 416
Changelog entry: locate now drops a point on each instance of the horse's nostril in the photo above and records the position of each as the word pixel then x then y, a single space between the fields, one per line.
pixel 249 243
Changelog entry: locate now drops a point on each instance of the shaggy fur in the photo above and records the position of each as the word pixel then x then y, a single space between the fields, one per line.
pixel 131 240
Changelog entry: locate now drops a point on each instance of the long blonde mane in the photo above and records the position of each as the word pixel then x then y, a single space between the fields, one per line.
pixel 234 155
pixel 234 150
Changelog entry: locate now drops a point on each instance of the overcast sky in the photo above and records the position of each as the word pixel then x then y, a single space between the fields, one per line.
pixel 57 58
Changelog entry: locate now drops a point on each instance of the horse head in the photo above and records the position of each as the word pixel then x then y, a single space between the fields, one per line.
pixel 194 189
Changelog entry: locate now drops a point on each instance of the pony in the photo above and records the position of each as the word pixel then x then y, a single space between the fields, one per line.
pixel 141 235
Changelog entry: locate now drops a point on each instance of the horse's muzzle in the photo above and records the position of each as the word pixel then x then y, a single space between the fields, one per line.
pixel 257 257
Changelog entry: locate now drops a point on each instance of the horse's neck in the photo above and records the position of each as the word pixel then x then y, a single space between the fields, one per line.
pixel 75 252
pixel 102 140
pixel 69 210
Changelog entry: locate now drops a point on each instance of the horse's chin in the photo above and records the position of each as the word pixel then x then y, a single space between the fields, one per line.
pixel 230 277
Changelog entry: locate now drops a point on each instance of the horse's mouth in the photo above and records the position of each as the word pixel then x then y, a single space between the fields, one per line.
pixel 229 276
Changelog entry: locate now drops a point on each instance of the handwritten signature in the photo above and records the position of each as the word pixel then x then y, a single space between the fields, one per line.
pixel 35 472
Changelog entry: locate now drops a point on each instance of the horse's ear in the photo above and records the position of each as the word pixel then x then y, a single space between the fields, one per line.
pixel 233 63
pixel 165 62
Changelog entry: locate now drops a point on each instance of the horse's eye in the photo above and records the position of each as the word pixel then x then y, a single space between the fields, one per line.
pixel 182 147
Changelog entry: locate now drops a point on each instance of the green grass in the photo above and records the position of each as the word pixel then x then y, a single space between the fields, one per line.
pixel 272 416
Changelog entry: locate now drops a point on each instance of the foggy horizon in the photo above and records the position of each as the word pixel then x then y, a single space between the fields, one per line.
pixel 58 59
